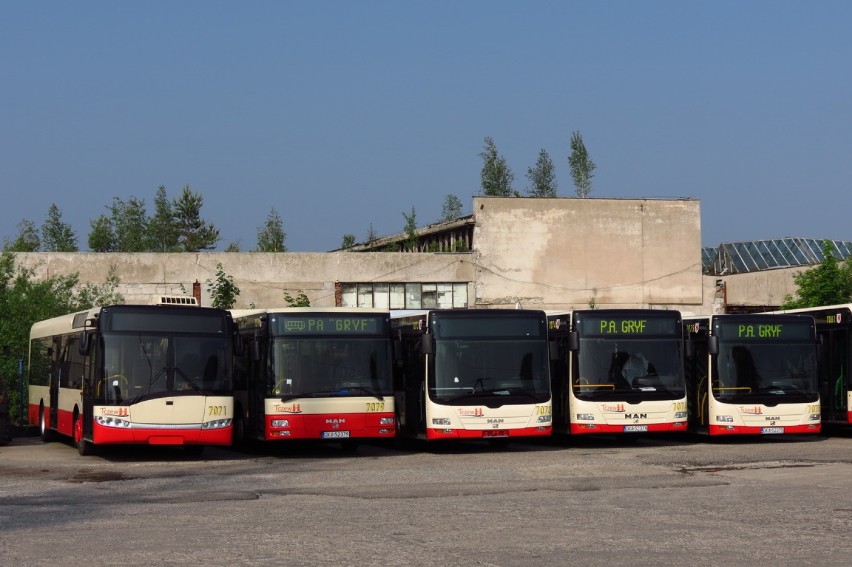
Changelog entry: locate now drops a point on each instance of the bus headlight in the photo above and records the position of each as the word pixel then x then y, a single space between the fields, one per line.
pixel 440 421
pixel 112 421
pixel 280 423
pixel 725 418
pixel 814 417
pixel 585 417
pixel 545 419
pixel 216 424
pixel 680 415
pixel 386 421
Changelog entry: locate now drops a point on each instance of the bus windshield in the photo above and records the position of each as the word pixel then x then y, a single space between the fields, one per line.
pixel 486 371
pixel 325 366
pixel 765 373
pixel 134 367
pixel 634 369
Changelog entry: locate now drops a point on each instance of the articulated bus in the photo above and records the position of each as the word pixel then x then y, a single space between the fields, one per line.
pixel 314 373
pixel 472 374
pixel 618 371
pixel 134 374
pixel 834 332
pixel 752 374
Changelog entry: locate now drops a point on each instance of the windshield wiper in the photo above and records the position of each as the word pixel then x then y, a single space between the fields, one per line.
pixel 147 390
pixel 367 391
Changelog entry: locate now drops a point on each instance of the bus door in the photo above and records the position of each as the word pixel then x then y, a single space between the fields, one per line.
pixel 411 404
pixel 82 376
pixel 56 367
pixel 834 374
pixel 260 383
pixel 697 381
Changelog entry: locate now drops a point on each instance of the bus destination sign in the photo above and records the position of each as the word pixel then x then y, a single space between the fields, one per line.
pixel 627 326
pixel 764 331
pixel 327 325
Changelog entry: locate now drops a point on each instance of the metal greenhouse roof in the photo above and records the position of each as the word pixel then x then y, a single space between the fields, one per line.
pixel 757 255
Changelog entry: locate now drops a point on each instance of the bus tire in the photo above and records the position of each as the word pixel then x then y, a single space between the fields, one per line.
pixel 83 447
pixel 46 433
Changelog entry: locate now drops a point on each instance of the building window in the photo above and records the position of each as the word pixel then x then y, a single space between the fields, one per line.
pixel 405 295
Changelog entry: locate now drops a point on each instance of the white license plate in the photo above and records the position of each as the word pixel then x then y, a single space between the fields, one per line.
pixel 772 430
pixel 635 428
pixel 335 434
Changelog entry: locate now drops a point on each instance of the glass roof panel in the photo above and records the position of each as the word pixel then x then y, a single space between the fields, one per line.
pixel 756 255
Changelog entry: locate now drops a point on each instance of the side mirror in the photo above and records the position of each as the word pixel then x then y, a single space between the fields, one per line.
pixel 85 343
pixel 689 348
pixel 573 341
pixel 254 349
pixel 427 346
pixel 713 345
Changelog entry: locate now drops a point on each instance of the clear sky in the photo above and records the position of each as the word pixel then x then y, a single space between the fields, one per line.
pixel 346 113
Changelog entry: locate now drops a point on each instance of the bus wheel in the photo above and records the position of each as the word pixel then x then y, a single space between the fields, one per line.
pixel 46 434
pixel 83 447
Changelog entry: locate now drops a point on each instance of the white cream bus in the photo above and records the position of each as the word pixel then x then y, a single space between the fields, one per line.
pixel 752 374
pixel 472 374
pixel 134 374
pixel 619 371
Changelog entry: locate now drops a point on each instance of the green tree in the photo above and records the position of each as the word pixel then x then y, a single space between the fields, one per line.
pixel 223 291
pixel 57 236
pixel 452 208
pixel 233 247
pixel 348 241
pixel 271 236
pixel 130 225
pixel 496 177
pixel 28 239
pixel 194 234
pixel 829 283
pixel 301 300
pixel 542 177
pixel 162 226
pixel 410 243
pixel 101 237
pixel 582 166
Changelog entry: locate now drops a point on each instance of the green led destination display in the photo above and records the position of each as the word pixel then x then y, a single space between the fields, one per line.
pixel 328 324
pixel 628 326
pixel 761 331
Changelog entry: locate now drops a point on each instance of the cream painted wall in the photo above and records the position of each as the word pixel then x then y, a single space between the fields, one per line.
pixel 263 278
pixel 564 253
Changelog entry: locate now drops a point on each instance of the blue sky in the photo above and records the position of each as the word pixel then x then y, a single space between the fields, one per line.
pixel 340 115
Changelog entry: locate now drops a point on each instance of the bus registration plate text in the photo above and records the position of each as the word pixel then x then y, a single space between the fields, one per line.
pixel 635 428
pixel 772 430
pixel 335 434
